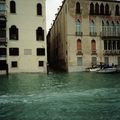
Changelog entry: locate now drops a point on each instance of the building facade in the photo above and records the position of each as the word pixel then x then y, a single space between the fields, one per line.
pixel 23 36
pixel 85 33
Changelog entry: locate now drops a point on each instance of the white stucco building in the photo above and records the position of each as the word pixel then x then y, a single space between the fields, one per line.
pixel 23 35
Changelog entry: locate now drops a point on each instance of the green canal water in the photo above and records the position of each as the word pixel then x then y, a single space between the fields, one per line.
pixel 60 96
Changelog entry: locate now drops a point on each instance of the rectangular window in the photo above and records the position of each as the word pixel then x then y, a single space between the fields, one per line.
pixel 3 52
pixel 118 45
pixel 41 63
pixel 3 64
pixel 79 61
pixel 27 51
pixel 105 44
pixel 14 64
pixel 40 51
pixel 94 61
pixel 14 51
pixel 118 60
pixel 2 7
pixel 106 60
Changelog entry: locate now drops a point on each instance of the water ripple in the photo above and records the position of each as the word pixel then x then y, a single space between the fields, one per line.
pixel 110 95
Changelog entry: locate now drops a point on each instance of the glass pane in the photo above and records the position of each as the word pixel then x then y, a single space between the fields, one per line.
pixel 79 61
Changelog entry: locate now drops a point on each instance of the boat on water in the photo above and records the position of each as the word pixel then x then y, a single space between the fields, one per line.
pixel 103 68
pixel 94 69
pixel 107 70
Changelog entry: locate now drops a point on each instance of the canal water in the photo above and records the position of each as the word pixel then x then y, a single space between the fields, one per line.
pixel 60 96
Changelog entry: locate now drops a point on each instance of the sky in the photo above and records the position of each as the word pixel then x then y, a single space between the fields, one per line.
pixel 51 10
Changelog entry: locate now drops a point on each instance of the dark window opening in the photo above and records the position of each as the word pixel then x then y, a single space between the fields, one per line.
pixel 2 29
pixel 91 9
pixel 102 9
pixel 39 9
pixel 13 33
pixel 107 9
pixel 12 7
pixel 14 51
pixel 109 45
pixel 40 51
pixel 117 10
pixel 41 63
pixel 2 24
pixel 105 44
pixel 3 64
pixel 39 34
pixel 77 8
pixel 97 9
pixel 3 51
pixel 14 64
pixel 118 45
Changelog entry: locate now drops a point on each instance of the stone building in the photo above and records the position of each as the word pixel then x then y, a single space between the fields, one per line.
pixel 85 33
pixel 23 35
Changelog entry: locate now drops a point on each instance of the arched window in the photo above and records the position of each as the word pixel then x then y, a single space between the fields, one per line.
pixel 93 46
pixel 107 9
pixel 105 45
pixel 78 27
pixel 107 27
pixel 117 28
pixel 117 10
pixel 103 26
pixel 91 9
pixel 102 9
pixel 97 8
pixel 39 34
pixel 77 8
pixel 13 33
pixel 79 47
pixel 39 9
pixel 113 27
pixel 92 27
pixel 12 7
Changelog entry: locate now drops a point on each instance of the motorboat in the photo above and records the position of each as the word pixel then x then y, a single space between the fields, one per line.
pixel 107 70
pixel 94 69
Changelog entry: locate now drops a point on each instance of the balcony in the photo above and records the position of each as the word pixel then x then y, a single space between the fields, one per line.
pixel 79 33
pixel 3 53
pixel 3 37
pixel 79 13
pixel 100 14
pixel 111 52
pixel 2 12
pixel 2 1
pixel 110 34
pixel 2 8
pixel 94 52
pixel 93 34
pixel 79 52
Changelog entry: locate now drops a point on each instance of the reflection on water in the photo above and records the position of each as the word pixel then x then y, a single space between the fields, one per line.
pixel 60 96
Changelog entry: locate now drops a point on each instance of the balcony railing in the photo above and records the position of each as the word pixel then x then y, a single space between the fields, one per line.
pixel 102 14
pixel 94 52
pixel 3 37
pixel 79 33
pixel 3 56
pixel 93 34
pixel 111 52
pixel 2 1
pixel 2 12
pixel 2 8
pixel 110 34
pixel 79 52
pixel 79 13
